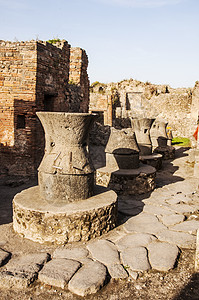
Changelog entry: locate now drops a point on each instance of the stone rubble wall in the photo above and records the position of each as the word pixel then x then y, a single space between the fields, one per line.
pixel 132 98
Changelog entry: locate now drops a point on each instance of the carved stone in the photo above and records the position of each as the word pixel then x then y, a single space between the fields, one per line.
pixel 158 134
pixel 142 132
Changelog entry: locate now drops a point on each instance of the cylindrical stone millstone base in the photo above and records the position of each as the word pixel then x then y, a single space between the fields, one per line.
pixel 128 182
pixel 154 160
pixel 42 222
pixel 167 152
pixel 65 188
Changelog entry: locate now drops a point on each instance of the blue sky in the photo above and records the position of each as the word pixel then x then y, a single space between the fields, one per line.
pixel 147 40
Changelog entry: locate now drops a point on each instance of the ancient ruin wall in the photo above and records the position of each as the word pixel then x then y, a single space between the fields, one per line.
pixel 78 79
pixel 135 98
pixel 34 76
pixel 18 68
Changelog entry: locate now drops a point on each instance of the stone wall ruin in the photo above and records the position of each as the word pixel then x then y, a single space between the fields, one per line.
pixel 36 76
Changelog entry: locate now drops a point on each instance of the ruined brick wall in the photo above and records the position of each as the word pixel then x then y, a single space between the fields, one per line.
pixel 78 80
pixel 34 77
pixel 18 67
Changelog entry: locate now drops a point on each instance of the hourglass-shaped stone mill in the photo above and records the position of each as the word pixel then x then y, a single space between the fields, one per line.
pixel 123 171
pixel 65 206
pixel 142 126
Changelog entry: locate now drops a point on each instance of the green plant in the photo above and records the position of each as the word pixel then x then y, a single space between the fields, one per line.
pixel 54 41
pixel 181 141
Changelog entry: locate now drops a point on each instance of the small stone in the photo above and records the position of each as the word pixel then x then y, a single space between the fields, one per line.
pixel 58 272
pixel 136 259
pixel 162 256
pixel 186 226
pixel 20 280
pixel 105 252
pixel 133 274
pixel 88 279
pixel 70 253
pixel 117 271
pixel 4 256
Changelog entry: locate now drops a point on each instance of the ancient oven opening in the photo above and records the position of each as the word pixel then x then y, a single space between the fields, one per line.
pixel 21 122
pixel 49 101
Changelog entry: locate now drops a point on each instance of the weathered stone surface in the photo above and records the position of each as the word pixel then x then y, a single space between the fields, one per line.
pixel 11 280
pixel 197 253
pixel 42 222
pixel 70 253
pixel 105 252
pixel 134 240
pixel 128 182
pixel 29 263
pixel 144 223
pixel 181 239
pixel 89 279
pixel 162 256
pixel 157 211
pixel 4 256
pixel 136 259
pixel 117 271
pixel 154 160
pixel 58 272
pixel 21 271
pixel 171 219
pixel 183 208
pixel 186 226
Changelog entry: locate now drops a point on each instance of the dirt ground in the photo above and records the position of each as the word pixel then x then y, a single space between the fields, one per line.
pixel 179 283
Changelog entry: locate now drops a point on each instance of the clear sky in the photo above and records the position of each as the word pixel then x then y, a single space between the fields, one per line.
pixel 147 40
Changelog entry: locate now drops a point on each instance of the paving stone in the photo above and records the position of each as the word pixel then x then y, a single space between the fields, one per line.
pixel 181 239
pixel 88 279
pixel 70 253
pixel 171 219
pixel 29 263
pixel 183 208
pixel 105 252
pixel 136 259
pixel 21 280
pixel 4 257
pixel 157 210
pixel 162 256
pixel 21 271
pixel 58 272
pixel 144 223
pixel 186 226
pixel 117 271
pixel 134 240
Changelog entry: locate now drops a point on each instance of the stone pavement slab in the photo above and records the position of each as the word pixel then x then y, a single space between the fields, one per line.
pixel 144 223
pixel 186 226
pixel 105 252
pixel 117 271
pixel 134 240
pixel 171 219
pixel 181 239
pixel 157 210
pixel 21 271
pixel 88 279
pixel 58 272
pixel 162 256
pixel 70 253
pixel 136 259
pixel 184 208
